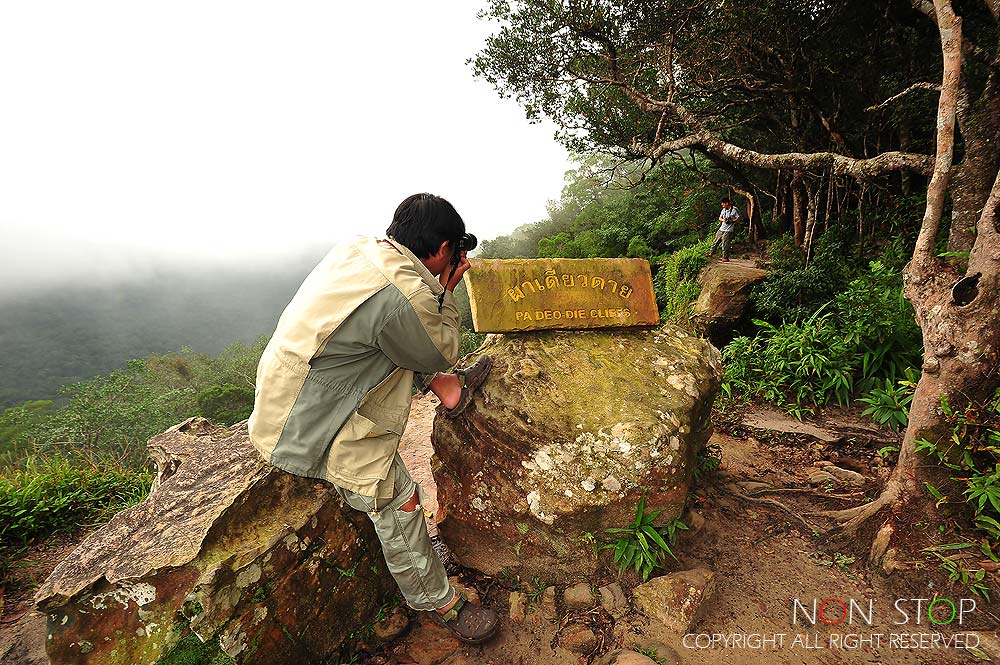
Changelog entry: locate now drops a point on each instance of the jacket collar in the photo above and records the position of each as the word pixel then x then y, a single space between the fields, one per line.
pixel 437 288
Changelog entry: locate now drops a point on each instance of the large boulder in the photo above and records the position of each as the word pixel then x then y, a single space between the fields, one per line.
pixel 227 560
pixel 722 303
pixel 569 432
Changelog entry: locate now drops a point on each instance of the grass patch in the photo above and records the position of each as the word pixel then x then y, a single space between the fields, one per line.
pixel 51 495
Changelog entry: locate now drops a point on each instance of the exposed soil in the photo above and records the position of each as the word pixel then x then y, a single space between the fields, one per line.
pixel 763 555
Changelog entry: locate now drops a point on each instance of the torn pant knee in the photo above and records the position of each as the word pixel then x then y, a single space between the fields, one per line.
pixel 406 544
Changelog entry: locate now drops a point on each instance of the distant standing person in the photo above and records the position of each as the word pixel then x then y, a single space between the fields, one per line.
pixel 729 217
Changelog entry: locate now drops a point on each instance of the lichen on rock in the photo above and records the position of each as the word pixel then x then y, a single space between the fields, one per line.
pixel 251 563
pixel 608 418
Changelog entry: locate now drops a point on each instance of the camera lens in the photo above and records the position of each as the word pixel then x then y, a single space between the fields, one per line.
pixel 468 242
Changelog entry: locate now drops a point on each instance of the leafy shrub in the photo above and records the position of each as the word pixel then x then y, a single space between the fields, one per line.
pixel 640 545
pixel 862 338
pixel 793 291
pixel 225 404
pixel 880 323
pixel 675 282
pixel 972 451
pixel 50 495
pixel 890 404
pixel 805 362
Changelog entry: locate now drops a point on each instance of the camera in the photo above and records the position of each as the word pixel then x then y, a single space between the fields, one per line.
pixel 466 243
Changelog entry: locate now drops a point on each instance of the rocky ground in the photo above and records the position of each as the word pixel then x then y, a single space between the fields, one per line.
pixel 752 548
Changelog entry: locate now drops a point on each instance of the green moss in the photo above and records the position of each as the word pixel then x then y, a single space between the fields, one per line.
pixel 263 592
pixel 192 651
pixel 192 608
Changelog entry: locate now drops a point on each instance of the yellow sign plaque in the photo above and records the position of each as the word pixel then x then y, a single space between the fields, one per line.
pixel 509 295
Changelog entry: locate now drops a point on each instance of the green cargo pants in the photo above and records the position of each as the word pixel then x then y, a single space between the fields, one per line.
pixel 405 543
pixel 723 238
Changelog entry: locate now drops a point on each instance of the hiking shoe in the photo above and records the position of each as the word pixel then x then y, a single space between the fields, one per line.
pixel 472 624
pixel 472 377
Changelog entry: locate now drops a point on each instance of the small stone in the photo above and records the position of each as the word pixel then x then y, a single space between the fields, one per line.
pixel 392 626
pixel 613 598
pixel 821 478
pixel 578 597
pixel 548 603
pixel 677 600
pixel 821 463
pixel 846 475
pixel 518 606
pixel 430 643
pixel 611 484
pixel 578 639
pixel 694 520
pixel 625 657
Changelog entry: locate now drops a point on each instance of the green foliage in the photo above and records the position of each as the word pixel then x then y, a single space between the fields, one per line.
pixel 972 578
pixel 879 322
pixel 471 340
pixel 641 545
pixel 890 404
pixel 800 362
pixel 862 338
pixel 707 461
pixel 16 425
pixel 650 652
pixel 971 449
pixel 225 404
pixel 793 291
pixel 113 415
pixel 675 282
pixel 51 495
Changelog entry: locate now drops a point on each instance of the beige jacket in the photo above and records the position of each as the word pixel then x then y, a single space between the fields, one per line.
pixel 334 383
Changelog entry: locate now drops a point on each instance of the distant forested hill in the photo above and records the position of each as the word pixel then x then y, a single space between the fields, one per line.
pixel 56 336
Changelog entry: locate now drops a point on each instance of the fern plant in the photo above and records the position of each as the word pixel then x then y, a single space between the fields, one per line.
pixel 640 545
pixel 890 404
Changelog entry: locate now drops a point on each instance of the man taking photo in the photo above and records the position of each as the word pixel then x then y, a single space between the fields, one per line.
pixel 334 386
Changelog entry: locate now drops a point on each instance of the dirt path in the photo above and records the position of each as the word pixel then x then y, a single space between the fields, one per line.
pixel 764 560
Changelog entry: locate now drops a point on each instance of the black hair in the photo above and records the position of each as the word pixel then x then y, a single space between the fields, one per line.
pixel 423 221
pixel 726 201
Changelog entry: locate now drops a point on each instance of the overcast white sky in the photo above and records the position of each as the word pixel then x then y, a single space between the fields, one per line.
pixel 235 131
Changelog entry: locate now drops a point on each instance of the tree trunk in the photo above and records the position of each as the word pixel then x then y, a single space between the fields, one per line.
pixel 961 338
pixel 812 209
pixel 798 212
pixel 974 176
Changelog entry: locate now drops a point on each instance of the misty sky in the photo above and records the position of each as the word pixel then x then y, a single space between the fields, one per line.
pixel 237 132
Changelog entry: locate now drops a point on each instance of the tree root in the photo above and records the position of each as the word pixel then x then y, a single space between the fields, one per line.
pixel 852 519
pixel 805 490
pixel 775 504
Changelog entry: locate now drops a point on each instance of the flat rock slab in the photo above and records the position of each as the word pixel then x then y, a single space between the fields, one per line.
pixel 509 295
pixel 773 421
pixel 227 557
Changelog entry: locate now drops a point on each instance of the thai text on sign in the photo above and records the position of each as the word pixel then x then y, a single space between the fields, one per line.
pixel 509 295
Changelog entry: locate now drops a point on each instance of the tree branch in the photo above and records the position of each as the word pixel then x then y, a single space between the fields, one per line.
pixel 922 85
pixel 950 27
